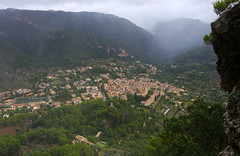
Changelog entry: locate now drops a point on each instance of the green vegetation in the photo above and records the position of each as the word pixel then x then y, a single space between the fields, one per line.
pixel 101 145
pixel 207 39
pixel 116 122
pixel 63 95
pixel 48 136
pixel 73 150
pixel 9 145
pixel 126 127
pixel 221 5
pixel 198 133
pixel 17 119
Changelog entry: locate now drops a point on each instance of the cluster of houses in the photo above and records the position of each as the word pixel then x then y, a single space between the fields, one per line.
pixel 7 98
pixel 50 86
pixel 121 87
pixel 9 94
pixel 33 103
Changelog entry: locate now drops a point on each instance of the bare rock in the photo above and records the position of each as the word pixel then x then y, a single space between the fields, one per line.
pixel 226 43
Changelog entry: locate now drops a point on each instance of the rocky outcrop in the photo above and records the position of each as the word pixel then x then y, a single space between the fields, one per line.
pixel 226 43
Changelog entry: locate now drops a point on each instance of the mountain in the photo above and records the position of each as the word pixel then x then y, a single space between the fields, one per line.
pixel 57 38
pixel 32 41
pixel 180 35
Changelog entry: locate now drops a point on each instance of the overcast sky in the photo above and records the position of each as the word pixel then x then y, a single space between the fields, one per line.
pixel 144 13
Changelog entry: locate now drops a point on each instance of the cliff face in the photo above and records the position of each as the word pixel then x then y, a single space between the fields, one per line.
pixel 226 43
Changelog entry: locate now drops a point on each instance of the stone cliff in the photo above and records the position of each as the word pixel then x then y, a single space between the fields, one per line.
pixel 226 43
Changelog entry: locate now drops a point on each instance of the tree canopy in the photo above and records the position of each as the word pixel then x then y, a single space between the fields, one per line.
pixel 73 150
pixel 9 145
pixel 198 133
pixel 220 6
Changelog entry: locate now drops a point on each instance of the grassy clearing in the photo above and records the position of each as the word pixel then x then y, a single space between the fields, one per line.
pixel 101 145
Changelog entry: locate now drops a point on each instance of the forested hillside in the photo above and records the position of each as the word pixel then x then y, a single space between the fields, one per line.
pixel 54 33
pixel 33 41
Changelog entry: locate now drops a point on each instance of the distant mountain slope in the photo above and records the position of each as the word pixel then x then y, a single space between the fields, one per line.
pixel 58 38
pixel 180 35
pixel 204 54
pixel 34 41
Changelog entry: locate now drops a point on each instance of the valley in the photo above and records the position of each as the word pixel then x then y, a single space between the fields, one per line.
pixel 127 101
pixel 90 83
pixel 114 78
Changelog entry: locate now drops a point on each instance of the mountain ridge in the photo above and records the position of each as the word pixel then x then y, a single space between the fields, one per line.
pixel 34 26
pixel 33 40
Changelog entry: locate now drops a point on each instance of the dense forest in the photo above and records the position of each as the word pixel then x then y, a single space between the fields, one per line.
pixel 126 127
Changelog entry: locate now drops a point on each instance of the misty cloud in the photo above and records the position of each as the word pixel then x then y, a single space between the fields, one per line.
pixel 144 13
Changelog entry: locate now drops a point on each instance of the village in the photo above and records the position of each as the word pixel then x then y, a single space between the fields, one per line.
pixel 73 86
